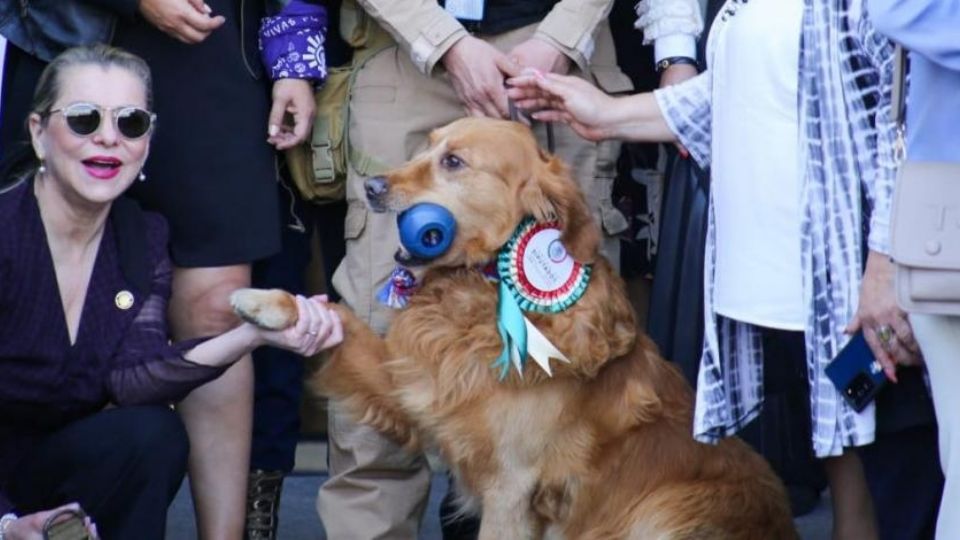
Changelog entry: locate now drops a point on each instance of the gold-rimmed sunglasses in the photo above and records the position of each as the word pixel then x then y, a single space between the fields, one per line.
pixel 84 119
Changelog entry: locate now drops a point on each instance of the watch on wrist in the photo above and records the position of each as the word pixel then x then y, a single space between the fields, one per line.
pixel 662 65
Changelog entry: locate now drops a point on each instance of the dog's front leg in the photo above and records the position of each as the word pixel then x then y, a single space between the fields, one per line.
pixel 354 375
pixel 506 509
pixel 356 378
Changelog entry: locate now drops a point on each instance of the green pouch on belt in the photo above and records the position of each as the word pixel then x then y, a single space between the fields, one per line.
pixel 319 165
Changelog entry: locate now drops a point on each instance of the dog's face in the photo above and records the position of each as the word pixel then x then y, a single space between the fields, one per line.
pixel 490 174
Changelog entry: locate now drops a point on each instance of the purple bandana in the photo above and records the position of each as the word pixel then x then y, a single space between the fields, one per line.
pixel 291 43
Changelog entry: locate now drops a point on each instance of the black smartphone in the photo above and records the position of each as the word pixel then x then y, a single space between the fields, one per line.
pixel 855 372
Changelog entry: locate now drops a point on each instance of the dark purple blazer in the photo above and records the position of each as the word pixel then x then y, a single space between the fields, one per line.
pixel 122 354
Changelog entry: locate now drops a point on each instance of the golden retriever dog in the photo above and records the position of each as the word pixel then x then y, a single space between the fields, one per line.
pixel 602 449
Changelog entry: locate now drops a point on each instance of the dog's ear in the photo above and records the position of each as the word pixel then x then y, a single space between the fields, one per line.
pixel 553 195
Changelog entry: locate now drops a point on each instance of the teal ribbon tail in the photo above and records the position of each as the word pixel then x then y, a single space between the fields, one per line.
pixel 513 331
pixel 502 362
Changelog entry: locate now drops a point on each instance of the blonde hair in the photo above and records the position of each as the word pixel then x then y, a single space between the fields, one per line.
pixel 49 86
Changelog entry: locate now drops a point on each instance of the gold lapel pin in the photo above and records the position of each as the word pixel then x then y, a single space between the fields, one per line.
pixel 124 300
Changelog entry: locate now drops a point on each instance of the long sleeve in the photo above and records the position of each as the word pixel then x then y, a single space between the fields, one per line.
pixel 426 31
pixel 570 26
pixel 673 26
pixel 291 41
pixel 686 107
pixel 147 369
pixel 925 27
pixel 422 28
pixel 880 179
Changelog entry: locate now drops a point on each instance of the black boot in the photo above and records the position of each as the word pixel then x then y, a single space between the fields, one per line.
pixel 263 504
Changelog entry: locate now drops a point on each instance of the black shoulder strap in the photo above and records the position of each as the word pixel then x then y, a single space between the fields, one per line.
pixel 130 231
pixel 899 86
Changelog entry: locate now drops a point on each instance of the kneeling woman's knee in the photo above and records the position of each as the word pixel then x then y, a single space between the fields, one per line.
pixel 156 438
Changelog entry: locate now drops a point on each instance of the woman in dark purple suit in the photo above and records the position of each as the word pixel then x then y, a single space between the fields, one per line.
pixel 84 284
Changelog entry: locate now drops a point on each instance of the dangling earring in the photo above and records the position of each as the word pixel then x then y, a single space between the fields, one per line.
pixel 42 169
pixel 141 177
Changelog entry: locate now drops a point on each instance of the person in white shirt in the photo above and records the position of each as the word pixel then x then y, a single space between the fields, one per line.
pixel 791 144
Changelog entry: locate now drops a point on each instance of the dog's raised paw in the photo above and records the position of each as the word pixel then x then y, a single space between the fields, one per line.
pixel 273 309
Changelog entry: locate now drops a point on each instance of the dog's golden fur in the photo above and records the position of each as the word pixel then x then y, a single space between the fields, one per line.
pixel 603 449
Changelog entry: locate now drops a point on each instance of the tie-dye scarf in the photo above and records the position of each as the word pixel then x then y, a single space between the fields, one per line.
pixel 843 65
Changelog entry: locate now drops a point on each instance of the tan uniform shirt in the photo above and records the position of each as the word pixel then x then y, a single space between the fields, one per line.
pixel 426 31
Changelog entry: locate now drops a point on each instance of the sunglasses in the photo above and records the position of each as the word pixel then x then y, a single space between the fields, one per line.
pixel 84 119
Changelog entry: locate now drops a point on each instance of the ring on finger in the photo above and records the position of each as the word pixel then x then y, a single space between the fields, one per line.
pixel 885 335
pixel 312 333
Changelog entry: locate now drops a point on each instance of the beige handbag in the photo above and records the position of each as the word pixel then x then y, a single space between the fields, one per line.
pixel 925 224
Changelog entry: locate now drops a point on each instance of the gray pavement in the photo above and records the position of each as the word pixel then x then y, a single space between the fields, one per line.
pixel 299 521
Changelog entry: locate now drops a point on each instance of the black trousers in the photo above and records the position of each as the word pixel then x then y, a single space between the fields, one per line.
pixel 902 466
pixel 782 431
pixel 278 374
pixel 122 465
pixel 905 481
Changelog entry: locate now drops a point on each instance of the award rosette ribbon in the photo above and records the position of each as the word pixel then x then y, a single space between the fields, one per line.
pixel 536 274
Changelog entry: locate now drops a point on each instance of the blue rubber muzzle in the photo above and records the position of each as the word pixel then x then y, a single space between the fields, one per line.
pixel 427 230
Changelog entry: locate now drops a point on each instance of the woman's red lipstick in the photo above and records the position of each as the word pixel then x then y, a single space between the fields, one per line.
pixel 102 167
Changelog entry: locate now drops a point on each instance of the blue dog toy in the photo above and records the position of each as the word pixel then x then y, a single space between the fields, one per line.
pixel 426 230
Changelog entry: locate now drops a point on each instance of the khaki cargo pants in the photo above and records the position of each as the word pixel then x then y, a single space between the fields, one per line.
pixel 375 490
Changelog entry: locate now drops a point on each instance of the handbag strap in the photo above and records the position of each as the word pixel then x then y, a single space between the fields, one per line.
pixel 899 101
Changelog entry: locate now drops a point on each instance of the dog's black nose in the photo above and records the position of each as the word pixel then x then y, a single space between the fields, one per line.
pixel 376 187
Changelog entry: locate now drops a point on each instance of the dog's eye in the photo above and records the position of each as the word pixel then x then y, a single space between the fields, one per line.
pixel 452 162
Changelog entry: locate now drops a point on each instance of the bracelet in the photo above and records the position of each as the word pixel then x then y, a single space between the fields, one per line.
pixel 674 60
pixel 5 522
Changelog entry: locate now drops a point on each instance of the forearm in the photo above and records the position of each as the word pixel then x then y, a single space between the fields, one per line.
pixel 158 374
pixel 227 348
pixel 167 376
pixel 687 110
pixel 570 27
pixel 637 118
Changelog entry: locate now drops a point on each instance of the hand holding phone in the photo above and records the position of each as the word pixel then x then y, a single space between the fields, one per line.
pixel 856 373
